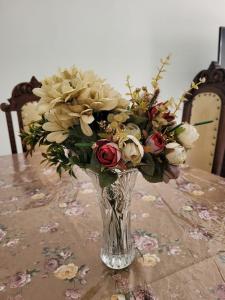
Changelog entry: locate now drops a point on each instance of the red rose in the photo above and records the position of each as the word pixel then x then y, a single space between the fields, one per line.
pixel 168 117
pixel 155 110
pixel 107 153
pixel 155 143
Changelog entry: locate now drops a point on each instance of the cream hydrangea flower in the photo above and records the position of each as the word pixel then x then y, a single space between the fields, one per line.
pixel 58 124
pixel 30 114
pixel 66 271
pixel 83 92
pixel 84 114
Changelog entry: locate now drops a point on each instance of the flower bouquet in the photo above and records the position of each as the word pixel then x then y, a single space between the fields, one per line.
pixel 83 121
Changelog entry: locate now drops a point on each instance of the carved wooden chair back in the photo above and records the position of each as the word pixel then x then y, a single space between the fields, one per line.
pixel 208 103
pixel 21 94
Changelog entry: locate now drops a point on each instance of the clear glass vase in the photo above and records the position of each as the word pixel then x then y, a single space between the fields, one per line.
pixel 117 250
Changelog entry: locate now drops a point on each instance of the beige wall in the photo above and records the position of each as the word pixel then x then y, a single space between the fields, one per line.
pixel 114 37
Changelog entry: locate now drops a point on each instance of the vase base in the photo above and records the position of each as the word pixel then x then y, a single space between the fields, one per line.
pixel 117 262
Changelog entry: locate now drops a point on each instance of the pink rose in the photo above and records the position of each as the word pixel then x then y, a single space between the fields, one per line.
pixel 19 279
pixel 155 143
pixel 72 294
pixel 145 242
pixel 107 153
pixel 51 265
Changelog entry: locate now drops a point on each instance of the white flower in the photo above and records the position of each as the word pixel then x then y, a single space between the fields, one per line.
pixel 188 136
pixel 133 129
pixel 175 153
pixel 131 148
pixel 66 271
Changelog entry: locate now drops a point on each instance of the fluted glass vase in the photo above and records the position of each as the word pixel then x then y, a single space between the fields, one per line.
pixel 117 250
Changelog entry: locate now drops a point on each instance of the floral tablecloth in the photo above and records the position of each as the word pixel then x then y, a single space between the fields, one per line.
pixel 51 227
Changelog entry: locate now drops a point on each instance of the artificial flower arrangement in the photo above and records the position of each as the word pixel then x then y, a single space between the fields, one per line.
pixel 83 121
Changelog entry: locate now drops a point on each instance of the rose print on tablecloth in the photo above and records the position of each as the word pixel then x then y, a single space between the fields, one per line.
pixel 17 297
pixel 51 227
pixel 142 293
pixel 72 294
pixel 174 250
pixel 66 271
pixel 12 243
pixel 149 260
pixel 74 209
pixel 199 234
pixel 121 283
pixel 94 236
pixel 206 215
pixel 19 280
pixel 144 241
pixel 125 292
pixel 220 291
pixel 50 265
pixel 82 273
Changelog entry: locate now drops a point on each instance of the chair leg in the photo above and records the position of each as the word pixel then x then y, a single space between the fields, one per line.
pixel 11 132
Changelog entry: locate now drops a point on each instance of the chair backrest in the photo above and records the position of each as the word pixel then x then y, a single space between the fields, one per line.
pixel 208 103
pixel 21 94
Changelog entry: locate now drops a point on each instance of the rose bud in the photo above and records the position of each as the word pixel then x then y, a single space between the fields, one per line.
pixel 107 153
pixel 155 143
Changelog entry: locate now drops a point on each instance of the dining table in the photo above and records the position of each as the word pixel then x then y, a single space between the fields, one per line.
pixel 48 223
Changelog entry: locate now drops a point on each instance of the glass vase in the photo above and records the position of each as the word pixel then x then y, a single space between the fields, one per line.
pixel 117 250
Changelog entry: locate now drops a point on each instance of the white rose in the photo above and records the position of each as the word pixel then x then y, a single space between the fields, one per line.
pixel 131 148
pixel 133 129
pixel 175 153
pixel 188 136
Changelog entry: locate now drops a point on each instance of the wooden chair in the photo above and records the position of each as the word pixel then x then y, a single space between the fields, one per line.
pixel 208 103
pixel 21 94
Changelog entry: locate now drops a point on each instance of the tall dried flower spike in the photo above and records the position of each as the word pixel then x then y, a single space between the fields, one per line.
pixel 161 70
pixel 129 86
pixel 195 86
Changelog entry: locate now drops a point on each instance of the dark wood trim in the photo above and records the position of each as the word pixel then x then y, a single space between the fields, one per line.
pixel 21 94
pixel 215 83
pixel 11 130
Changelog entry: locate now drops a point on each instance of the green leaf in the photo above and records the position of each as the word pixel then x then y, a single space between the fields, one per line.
pixel 83 145
pixel 179 130
pixel 203 123
pixel 107 177
pixel 148 168
pixel 138 120
pixel 94 164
